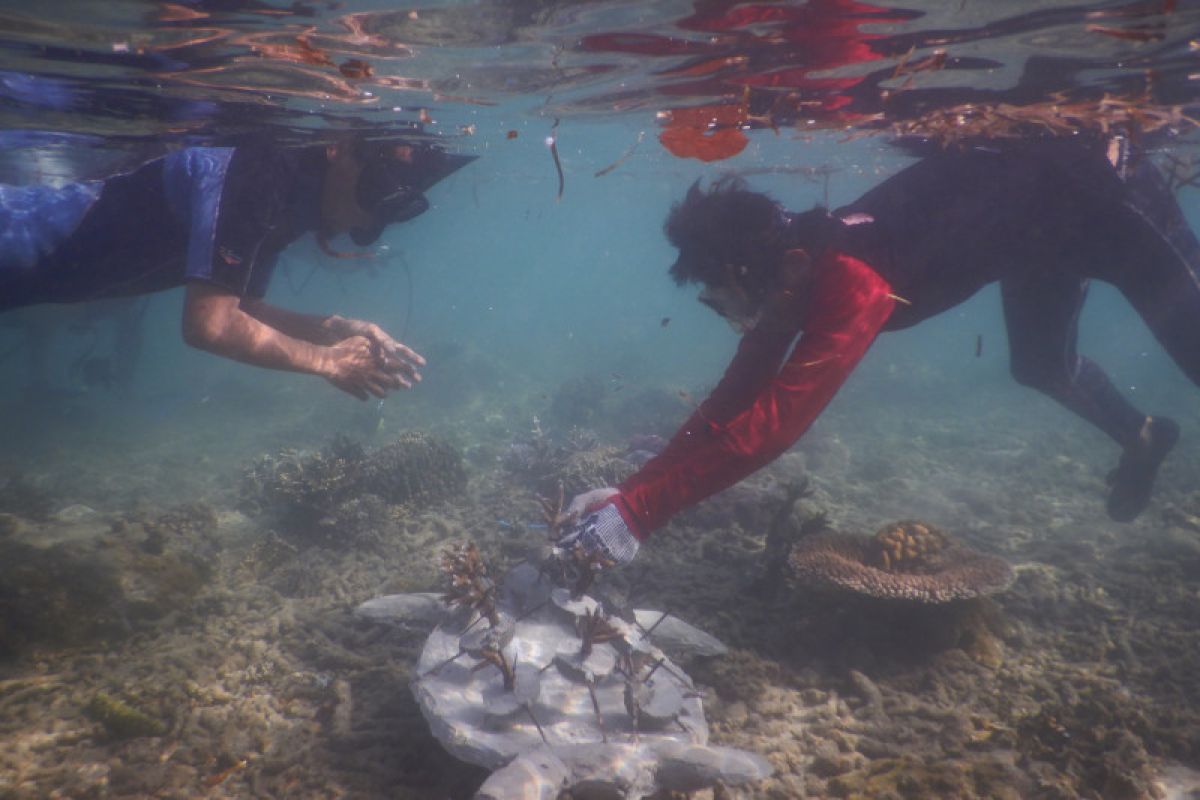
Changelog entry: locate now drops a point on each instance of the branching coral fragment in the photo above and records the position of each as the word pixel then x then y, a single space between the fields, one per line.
pixel 594 628
pixel 470 585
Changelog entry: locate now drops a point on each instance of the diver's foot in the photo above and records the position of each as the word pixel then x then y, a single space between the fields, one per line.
pixel 1132 482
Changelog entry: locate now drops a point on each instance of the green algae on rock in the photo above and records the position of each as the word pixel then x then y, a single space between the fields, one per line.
pixel 121 720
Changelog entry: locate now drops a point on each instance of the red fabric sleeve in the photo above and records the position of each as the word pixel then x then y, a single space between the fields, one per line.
pixel 720 445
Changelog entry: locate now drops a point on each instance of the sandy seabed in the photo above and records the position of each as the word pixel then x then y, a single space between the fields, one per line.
pixel 233 667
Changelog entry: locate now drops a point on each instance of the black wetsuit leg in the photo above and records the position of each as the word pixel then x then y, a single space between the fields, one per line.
pixel 1041 311
pixel 1158 269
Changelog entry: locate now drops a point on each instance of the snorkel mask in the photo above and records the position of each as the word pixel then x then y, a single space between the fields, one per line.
pixel 395 176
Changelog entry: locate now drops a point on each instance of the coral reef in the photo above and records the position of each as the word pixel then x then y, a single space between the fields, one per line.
pixel 905 561
pixel 305 486
pixel 361 522
pixel 1096 737
pixel 415 469
pixel 1078 684
pixel 577 463
pixel 342 492
pixel 908 547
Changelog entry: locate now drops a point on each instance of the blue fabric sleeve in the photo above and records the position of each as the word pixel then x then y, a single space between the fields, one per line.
pixel 195 186
pixel 34 220
pixel 227 204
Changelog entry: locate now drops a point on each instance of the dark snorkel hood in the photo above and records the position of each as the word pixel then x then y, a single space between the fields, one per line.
pixel 394 179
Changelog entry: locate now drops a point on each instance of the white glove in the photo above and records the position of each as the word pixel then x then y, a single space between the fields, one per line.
pixel 602 532
pixel 585 503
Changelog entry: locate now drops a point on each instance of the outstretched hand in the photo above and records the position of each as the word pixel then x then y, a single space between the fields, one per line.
pixel 393 357
pixel 356 366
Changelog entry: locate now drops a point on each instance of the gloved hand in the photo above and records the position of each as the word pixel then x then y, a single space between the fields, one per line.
pixel 583 504
pixel 598 528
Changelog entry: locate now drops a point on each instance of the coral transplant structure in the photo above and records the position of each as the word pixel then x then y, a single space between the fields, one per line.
pixel 580 696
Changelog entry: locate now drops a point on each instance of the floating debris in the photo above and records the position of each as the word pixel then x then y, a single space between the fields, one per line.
pixel 1058 116
pixel 621 160
pixel 552 143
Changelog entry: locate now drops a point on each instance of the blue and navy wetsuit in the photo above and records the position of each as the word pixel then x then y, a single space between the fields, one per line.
pixel 216 214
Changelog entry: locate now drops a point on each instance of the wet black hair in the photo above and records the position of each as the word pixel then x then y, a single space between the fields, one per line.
pixel 731 227
pixel 726 227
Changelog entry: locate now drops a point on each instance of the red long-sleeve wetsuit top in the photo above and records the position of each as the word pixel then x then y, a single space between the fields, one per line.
pixel 759 409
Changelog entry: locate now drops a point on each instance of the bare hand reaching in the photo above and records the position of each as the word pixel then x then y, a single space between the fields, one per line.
pixel 358 365
pixel 395 357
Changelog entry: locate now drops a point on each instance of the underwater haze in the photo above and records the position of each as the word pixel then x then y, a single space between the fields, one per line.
pixel 184 538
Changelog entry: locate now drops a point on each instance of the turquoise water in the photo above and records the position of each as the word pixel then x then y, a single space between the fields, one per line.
pixel 237 634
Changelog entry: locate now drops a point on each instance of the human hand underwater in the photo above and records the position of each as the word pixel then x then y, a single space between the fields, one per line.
pixel 596 530
pixel 395 357
pixel 356 366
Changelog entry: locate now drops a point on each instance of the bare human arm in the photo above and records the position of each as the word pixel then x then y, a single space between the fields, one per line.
pixel 329 330
pixel 214 320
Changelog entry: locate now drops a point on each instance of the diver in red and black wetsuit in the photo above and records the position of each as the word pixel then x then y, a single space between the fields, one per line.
pixel 1042 218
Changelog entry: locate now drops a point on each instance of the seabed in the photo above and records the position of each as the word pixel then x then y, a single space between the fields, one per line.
pixel 169 633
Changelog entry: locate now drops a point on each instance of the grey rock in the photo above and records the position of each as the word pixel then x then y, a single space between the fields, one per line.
pixel 676 636
pixel 415 608
pixel 597 666
pixel 657 703
pixel 539 775
pixel 692 768
pixel 622 770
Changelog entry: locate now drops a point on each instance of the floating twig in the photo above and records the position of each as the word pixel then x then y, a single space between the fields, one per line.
pixel 628 152
pixel 552 143
pixel 1057 116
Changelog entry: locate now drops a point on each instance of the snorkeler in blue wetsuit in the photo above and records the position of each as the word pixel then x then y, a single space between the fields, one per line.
pixel 214 219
